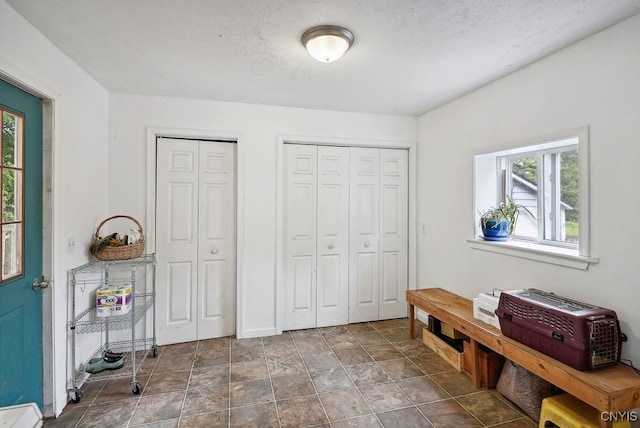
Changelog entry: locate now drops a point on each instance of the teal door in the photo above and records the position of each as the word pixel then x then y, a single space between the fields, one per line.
pixel 20 248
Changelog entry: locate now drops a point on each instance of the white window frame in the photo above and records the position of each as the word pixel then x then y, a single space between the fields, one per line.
pixel 489 187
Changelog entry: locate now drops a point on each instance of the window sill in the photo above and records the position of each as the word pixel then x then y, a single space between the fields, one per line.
pixel 542 253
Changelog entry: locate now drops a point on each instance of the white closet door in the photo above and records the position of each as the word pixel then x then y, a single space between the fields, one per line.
pixel 176 240
pixel 364 234
pixel 195 240
pixel 300 236
pixel 394 224
pixel 216 240
pixel 333 236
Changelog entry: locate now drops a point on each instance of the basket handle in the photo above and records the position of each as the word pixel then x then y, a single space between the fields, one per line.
pixel 118 216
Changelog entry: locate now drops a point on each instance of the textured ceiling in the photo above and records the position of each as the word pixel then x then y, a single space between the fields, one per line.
pixel 409 55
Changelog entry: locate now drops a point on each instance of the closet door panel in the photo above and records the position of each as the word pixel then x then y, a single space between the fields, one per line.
pixel 394 206
pixel 176 240
pixel 300 172
pixel 333 236
pixel 216 240
pixel 364 234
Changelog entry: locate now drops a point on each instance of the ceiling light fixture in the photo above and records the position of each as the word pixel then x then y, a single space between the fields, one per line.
pixel 327 43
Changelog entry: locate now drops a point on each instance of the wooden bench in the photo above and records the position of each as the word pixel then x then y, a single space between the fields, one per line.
pixel 608 389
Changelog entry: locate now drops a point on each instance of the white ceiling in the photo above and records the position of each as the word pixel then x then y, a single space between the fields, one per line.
pixel 409 55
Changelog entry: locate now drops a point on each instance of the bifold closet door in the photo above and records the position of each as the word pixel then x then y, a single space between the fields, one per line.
pixel 316 236
pixel 378 234
pixel 195 240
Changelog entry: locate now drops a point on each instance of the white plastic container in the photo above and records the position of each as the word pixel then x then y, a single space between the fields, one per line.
pixel 484 308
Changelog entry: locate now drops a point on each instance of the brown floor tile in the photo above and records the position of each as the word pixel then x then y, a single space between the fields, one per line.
pixel 251 392
pixel 395 334
pixel 289 386
pixel 301 411
pixel 401 368
pixel 245 343
pixel 114 414
pixel 369 337
pixel 448 414
pixel 524 422
pixel 385 397
pixel 412 347
pixel 385 324
pixel 343 404
pixel 279 366
pixel 367 421
pixel 333 331
pixel 118 389
pixel 367 373
pixel 310 345
pixel 488 408
pixel 350 356
pixel 363 326
pixel 455 383
pixel 278 339
pixel 342 341
pixel 167 382
pixel 384 351
pixel 331 379
pixel 211 357
pixel 310 333
pixel 249 370
pixel 159 407
pixel 431 363
pixel 242 353
pixel 257 416
pixel 179 348
pixel 69 417
pixel 320 360
pixel 422 390
pixel 217 344
pixel 167 423
pixel 206 377
pixel 206 400
pixel 403 418
pixel 206 420
pixel 174 362
pixel 283 349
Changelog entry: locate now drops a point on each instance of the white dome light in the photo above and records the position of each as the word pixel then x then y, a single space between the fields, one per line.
pixel 327 43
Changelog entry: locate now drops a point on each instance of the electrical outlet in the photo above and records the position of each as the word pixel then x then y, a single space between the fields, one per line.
pixel 71 244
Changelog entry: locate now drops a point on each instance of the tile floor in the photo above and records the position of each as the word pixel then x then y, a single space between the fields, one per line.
pixel 356 375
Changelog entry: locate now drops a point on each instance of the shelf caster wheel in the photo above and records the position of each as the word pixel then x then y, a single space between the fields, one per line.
pixel 136 388
pixel 76 395
pixel 154 351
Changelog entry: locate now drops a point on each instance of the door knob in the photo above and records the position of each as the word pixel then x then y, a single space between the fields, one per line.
pixel 331 246
pixel 214 251
pixel 366 244
pixel 40 283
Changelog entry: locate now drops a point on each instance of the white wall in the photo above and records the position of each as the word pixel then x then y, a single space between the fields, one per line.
pixel 258 128
pixel 79 161
pixel 594 82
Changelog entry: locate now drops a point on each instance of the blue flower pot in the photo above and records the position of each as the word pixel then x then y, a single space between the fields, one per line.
pixel 496 230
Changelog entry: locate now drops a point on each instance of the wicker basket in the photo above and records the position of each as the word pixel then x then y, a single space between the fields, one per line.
pixel 124 252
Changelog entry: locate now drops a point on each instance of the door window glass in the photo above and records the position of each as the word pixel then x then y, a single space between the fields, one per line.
pixel 11 175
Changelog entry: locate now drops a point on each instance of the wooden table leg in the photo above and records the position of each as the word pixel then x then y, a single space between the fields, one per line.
pixel 475 361
pixel 412 321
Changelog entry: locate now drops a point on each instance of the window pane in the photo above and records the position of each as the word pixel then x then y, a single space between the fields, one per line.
pixel 10 137
pixel 570 207
pixel 11 191
pixel 11 242
pixel 524 191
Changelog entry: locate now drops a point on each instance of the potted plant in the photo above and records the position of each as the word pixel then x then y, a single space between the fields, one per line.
pixel 498 223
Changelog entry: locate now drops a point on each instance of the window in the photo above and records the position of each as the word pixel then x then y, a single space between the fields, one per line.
pixel 547 176
pixel 11 173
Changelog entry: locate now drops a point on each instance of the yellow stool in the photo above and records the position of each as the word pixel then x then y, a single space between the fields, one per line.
pixel 566 411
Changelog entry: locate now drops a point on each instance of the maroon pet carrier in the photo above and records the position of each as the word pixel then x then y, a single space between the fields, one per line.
pixel 580 335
